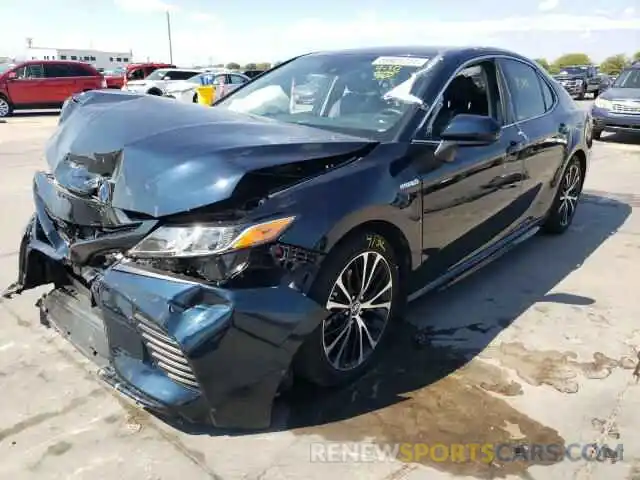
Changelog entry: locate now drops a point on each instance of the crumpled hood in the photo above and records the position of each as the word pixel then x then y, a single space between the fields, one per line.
pixel 632 94
pixel 163 157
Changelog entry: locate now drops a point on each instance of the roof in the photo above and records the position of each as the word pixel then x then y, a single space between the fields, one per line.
pixel 456 54
pixel 413 50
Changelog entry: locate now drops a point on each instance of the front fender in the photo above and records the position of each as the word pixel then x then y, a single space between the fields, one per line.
pixel 330 206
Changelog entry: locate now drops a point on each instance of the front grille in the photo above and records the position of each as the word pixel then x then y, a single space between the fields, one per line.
pixel 166 353
pixel 626 108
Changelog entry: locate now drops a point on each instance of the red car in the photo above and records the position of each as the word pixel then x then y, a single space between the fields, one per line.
pixel 44 84
pixel 114 78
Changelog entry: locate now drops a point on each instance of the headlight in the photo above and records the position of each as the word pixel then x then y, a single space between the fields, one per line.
pixel 200 240
pixel 602 103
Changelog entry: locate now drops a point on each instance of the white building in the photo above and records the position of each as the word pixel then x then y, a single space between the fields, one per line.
pixel 97 58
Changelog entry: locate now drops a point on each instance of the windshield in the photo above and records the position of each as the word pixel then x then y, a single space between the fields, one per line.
pixel 5 66
pixel 157 74
pixel 579 70
pixel 628 79
pixel 351 93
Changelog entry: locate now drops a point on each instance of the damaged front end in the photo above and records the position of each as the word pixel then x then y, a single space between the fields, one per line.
pixel 194 313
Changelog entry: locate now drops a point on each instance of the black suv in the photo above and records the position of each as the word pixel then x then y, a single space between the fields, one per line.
pixel 580 80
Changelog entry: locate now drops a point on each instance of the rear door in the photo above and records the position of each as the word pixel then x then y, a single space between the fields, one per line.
pixel 30 86
pixel 82 79
pixel 59 81
pixel 543 127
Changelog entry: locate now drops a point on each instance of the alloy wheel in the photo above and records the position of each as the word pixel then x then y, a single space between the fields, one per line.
pixel 360 305
pixel 4 108
pixel 570 192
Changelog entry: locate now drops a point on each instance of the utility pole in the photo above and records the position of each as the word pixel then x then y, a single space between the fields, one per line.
pixel 169 35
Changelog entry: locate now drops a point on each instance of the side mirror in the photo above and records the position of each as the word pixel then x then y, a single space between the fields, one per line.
pixel 12 76
pixel 471 129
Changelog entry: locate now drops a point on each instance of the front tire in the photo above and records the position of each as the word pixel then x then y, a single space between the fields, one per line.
pixel 565 203
pixel 359 283
pixel 6 109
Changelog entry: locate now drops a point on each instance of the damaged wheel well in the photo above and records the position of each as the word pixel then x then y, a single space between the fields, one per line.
pixel 393 235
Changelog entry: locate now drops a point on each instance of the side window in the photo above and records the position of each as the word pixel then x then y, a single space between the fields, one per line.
pixel 79 71
pixel 472 91
pixel 178 75
pixel 219 80
pixel 56 70
pixel 526 92
pixel 547 94
pixel 34 71
pixel 237 80
pixel 137 74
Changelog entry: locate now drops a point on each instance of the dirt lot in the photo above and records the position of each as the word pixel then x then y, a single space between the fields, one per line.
pixel 550 332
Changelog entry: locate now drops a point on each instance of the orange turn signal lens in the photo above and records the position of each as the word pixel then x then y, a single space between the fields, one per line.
pixel 261 233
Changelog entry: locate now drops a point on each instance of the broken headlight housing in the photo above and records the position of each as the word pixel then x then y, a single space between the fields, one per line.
pixel 213 253
pixel 201 240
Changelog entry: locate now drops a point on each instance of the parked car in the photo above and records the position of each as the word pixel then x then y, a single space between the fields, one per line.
pixel 217 253
pixel 185 90
pixel 114 78
pixel 140 71
pixel 44 84
pixel 158 81
pixel 580 80
pixel 618 108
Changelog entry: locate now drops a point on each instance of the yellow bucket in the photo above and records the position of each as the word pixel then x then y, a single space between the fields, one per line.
pixel 206 94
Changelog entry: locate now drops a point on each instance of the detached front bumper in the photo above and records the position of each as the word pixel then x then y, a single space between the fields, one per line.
pixel 181 348
pixel 606 120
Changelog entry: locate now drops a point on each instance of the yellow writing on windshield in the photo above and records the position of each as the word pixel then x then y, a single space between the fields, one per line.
pixel 385 72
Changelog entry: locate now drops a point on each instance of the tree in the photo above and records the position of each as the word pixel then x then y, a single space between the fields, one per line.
pixel 250 66
pixel 572 59
pixel 614 64
pixel 543 63
pixel 636 56
pixel 233 66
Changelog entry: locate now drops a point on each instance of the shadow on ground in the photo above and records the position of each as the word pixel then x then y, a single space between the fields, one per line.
pixel 424 390
pixel 34 113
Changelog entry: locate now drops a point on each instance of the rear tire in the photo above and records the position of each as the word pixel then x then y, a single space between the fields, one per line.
pixel 6 109
pixel 565 203
pixel 349 340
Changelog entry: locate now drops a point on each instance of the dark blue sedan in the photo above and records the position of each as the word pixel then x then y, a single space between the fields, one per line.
pixel 618 108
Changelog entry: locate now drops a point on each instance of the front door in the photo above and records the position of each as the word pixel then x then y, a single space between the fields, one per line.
pixel 470 201
pixel 30 86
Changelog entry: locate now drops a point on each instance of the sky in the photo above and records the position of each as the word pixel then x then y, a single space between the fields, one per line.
pixel 208 32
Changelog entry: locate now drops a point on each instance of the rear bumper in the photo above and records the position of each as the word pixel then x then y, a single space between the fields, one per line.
pixel 604 120
pixel 181 348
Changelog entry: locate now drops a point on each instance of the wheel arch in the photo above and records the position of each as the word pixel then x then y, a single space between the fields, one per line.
pixel 385 228
pixel 582 158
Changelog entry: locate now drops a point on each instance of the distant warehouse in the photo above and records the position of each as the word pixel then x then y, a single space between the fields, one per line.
pixel 98 58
